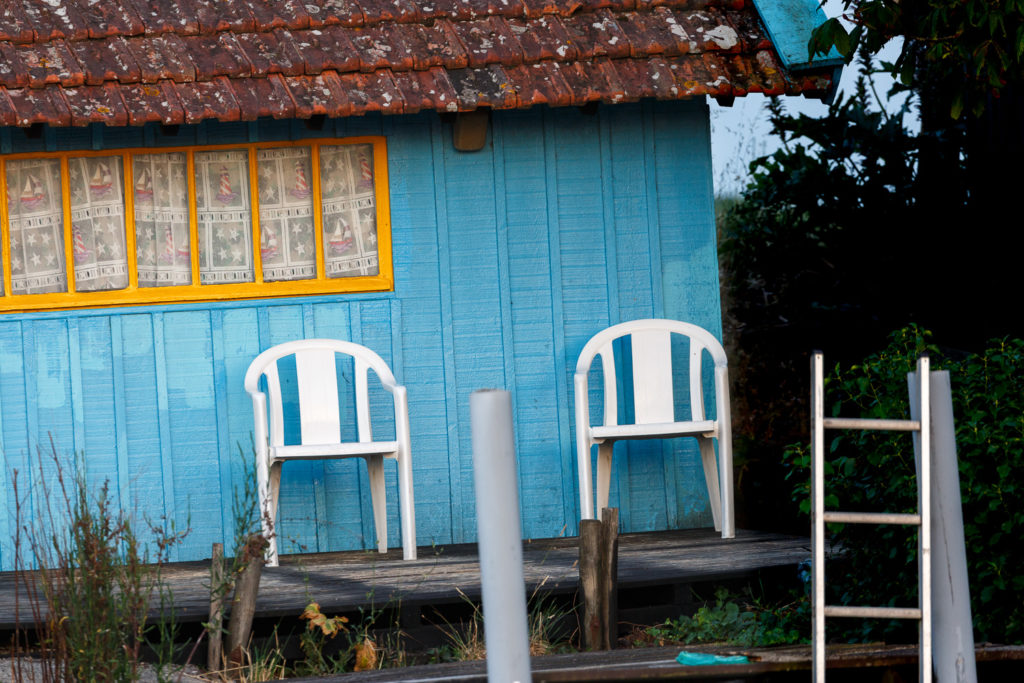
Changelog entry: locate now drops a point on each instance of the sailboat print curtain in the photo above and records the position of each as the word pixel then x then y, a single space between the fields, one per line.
pixel 36 222
pixel 160 189
pixel 350 210
pixel 161 219
pixel 287 244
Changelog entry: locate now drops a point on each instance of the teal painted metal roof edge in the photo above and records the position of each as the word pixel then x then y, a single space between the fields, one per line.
pixel 789 24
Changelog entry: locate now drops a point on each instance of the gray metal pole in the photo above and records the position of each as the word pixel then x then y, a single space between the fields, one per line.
pixel 500 539
pixel 953 637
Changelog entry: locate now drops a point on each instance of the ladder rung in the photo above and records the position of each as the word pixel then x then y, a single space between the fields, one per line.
pixel 872 423
pixel 873 612
pixel 873 518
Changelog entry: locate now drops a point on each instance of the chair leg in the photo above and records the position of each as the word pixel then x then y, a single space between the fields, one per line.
pixel 375 470
pixel 604 475
pixel 707 456
pixel 407 507
pixel 269 513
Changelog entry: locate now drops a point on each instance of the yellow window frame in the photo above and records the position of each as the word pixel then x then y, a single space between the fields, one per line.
pixel 195 292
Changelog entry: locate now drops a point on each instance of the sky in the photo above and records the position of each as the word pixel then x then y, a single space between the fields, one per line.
pixel 741 133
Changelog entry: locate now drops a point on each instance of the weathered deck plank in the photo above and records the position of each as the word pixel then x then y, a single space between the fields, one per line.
pixel 344 582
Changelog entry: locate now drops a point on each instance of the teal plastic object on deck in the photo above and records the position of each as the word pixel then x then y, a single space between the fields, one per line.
pixel 706 658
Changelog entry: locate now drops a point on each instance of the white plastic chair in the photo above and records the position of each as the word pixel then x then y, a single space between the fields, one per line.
pixel 654 408
pixel 320 425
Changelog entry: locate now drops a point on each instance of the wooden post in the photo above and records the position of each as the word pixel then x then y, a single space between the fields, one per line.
pixel 243 604
pixel 609 576
pixel 599 548
pixel 218 589
pixel 590 583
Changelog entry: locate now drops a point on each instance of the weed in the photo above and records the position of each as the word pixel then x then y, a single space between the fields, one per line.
pixel 729 621
pixel 96 577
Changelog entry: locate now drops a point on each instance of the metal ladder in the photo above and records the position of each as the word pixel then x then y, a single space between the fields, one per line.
pixel 819 517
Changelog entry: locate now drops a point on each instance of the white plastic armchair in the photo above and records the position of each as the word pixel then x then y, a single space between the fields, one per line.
pixel 654 409
pixel 320 427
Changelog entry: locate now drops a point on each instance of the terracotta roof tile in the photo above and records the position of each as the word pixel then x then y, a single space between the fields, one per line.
pixel 14 25
pixel 106 60
pixel 258 97
pixel 328 12
pixel 540 83
pixel 379 47
pixel 542 39
pixel 96 104
pixel 54 21
pixel 489 41
pixel 43 105
pixel 13 72
pixel 153 103
pixel 107 18
pixel 272 52
pixel 429 89
pixel 161 16
pixel 377 11
pixel 8 115
pixel 597 35
pixel 208 100
pixel 270 14
pixel 50 62
pixel 487 87
pixel 223 15
pixel 465 10
pixel 320 95
pixel 80 61
pixel 217 55
pixel 162 58
pixel 372 92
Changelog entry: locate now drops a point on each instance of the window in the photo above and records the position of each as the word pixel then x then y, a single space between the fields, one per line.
pixel 190 224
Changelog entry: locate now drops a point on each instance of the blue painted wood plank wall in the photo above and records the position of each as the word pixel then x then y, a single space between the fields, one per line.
pixel 507 260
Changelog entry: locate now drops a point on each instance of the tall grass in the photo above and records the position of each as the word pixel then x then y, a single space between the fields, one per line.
pixel 88 579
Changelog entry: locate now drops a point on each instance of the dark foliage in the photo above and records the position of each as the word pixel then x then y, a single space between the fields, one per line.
pixel 874 471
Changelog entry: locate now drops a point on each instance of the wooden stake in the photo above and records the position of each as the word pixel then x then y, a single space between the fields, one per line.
pixel 243 604
pixel 590 583
pixel 218 589
pixel 609 574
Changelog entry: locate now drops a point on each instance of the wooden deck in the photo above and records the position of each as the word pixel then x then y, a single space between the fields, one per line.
pixel 656 571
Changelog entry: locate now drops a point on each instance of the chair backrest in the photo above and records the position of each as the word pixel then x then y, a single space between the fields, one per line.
pixel 651 342
pixel 317 380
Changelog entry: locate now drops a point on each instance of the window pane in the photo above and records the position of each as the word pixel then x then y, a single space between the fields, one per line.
pixel 36 220
pixel 350 210
pixel 225 216
pixel 161 219
pixel 97 223
pixel 287 246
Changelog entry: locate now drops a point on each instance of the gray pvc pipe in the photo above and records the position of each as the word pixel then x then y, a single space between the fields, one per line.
pixel 952 633
pixel 500 539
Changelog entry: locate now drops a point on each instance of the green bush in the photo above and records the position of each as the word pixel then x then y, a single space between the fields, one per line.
pixel 874 471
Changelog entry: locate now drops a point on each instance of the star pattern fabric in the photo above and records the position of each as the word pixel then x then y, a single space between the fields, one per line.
pixel 96 186
pixel 162 250
pixel 224 215
pixel 287 244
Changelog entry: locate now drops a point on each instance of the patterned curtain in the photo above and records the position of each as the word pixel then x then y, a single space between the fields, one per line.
pixel 287 245
pixel 97 223
pixel 161 219
pixel 349 210
pixel 36 220
pixel 225 217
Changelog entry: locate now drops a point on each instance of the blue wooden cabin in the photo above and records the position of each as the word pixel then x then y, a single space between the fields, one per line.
pixel 531 172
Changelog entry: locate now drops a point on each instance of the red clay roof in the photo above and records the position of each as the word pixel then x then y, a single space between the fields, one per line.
pixel 129 62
